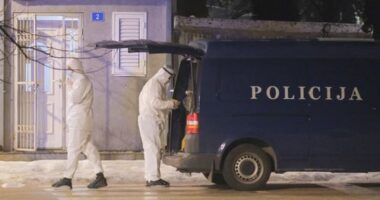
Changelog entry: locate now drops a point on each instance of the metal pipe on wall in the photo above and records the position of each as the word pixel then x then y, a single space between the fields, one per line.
pixel 1 78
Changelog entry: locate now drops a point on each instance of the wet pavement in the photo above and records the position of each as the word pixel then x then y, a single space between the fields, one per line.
pixel 331 191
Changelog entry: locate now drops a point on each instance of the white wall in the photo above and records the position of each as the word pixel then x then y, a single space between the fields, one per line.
pixel 116 98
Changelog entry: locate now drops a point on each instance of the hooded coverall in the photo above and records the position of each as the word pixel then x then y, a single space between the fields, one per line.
pixel 80 121
pixel 153 110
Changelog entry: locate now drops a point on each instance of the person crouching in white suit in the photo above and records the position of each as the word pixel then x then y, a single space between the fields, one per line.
pixel 153 110
pixel 79 125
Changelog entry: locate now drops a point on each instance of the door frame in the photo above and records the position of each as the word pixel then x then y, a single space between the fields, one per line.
pixel 34 15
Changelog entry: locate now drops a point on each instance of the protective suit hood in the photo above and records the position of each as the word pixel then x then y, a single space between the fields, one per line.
pixel 163 75
pixel 76 65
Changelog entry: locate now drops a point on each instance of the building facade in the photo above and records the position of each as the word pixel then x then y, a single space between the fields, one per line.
pixel 48 33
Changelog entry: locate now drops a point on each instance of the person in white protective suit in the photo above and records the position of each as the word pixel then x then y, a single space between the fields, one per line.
pixel 79 125
pixel 153 110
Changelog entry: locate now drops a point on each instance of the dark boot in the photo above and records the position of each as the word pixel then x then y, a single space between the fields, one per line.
pixel 100 181
pixel 63 182
pixel 159 182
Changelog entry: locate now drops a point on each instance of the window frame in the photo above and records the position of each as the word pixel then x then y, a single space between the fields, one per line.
pixel 140 71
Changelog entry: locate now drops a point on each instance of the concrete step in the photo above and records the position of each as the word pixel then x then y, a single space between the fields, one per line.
pixel 62 155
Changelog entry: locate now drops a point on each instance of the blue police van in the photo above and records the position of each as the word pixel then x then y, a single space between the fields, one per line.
pixel 250 108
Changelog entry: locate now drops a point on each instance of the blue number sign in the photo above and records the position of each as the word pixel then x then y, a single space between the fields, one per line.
pixel 98 16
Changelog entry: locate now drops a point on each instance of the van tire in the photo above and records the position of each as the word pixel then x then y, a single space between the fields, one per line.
pixel 246 167
pixel 217 178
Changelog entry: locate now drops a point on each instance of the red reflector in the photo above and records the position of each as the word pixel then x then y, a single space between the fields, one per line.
pixel 192 123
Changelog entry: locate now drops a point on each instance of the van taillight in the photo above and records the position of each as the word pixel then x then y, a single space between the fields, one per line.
pixel 192 123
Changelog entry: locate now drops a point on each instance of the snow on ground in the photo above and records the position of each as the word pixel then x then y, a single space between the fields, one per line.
pixel 45 172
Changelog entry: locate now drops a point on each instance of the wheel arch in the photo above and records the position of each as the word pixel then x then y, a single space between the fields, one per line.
pixel 228 145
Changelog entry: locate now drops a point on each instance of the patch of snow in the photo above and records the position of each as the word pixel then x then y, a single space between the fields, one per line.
pixel 329 177
pixel 45 172
pixel 12 185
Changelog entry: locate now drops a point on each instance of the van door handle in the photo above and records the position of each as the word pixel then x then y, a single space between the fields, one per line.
pixel 217 95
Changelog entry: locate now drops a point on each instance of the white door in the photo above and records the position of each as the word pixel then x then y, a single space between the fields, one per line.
pixel 57 37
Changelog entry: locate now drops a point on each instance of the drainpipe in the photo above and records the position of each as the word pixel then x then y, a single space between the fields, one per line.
pixel 169 27
pixel 2 78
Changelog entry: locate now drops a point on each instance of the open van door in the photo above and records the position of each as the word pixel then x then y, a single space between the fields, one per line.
pixel 185 74
pixel 149 46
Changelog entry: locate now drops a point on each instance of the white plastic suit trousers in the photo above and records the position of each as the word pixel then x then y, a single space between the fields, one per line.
pixel 151 131
pixel 80 142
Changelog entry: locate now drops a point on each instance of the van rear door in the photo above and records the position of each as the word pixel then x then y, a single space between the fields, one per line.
pixel 184 74
pixel 153 47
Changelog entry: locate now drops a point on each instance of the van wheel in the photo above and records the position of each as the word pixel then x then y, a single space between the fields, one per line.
pixel 218 179
pixel 246 167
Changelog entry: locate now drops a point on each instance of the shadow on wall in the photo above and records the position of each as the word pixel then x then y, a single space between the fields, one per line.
pixel 99 77
pixel 115 108
pixel 89 2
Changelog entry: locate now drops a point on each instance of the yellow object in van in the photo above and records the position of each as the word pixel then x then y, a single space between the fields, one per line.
pixel 183 144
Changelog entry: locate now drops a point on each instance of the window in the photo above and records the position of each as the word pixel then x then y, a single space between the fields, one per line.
pixel 129 26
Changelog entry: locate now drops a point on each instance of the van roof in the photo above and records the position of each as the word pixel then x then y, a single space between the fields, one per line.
pixel 318 48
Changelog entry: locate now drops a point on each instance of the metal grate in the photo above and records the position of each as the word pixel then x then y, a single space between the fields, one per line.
pixel 25 87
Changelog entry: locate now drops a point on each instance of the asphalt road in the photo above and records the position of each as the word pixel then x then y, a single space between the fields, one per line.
pixel 204 192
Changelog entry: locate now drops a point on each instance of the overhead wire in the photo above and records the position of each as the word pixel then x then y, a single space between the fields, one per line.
pixel 46 50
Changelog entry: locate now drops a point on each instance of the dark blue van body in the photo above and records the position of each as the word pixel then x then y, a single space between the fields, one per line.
pixel 267 106
pixel 309 105
pixel 324 132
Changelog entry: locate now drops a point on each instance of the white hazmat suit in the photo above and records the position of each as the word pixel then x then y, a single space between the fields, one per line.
pixel 153 109
pixel 80 120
